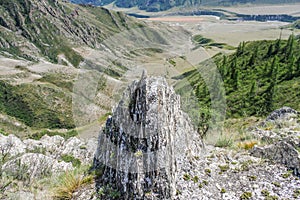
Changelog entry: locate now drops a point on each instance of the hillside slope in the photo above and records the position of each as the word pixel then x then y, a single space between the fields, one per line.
pixel 259 77
pixel 31 28
pixel 48 47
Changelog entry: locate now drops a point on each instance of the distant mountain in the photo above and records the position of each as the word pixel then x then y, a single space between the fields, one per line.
pixel 159 5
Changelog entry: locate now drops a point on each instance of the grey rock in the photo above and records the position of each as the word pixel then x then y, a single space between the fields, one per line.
pixel 283 139
pixel 79 149
pixel 281 152
pixel 146 142
pixel 11 145
pixel 284 113
pixel 30 166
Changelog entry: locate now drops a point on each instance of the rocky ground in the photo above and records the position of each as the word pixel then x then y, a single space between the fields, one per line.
pixel 30 167
pixel 269 170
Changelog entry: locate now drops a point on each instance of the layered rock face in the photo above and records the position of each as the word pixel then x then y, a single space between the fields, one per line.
pixel 145 142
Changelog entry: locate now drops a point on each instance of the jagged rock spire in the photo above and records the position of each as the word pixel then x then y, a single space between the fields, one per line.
pixel 145 141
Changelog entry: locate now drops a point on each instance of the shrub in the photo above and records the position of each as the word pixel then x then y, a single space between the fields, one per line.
pixel 224 141
pixel 69 158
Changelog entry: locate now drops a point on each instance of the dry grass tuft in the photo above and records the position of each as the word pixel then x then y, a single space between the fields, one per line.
pixel 68 183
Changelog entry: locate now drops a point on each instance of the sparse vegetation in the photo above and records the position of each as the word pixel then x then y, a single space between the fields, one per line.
pixel 186 177
pixel 207 171
pixel 69 158
pixel 287 175
pixel 69 182
pixel 252 178
pixel 195 179
pixel 247 144
pixel 224 141
pixel 224 168
pixel 277 184
pixel 65 134
pixel 246 196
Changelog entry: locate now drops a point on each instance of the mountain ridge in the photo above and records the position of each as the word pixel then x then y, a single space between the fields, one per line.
pixel 161 5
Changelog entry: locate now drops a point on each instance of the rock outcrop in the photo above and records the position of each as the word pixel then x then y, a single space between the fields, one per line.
pixel 145 142
pixel 282 114
pixel 36 158
pixel 283 138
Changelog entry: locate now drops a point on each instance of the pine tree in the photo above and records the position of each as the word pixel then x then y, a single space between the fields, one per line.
pixel 270 91
pixel 277 45
pixel 297 67
pixel 253 57
pixel 253 89
pixel 290 67
pixel 289 47
pixel 240 49
pixel 270 51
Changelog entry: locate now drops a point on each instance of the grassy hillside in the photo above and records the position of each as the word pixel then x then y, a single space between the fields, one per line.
pixel 48 30
pixel 258 78
pixel 30 28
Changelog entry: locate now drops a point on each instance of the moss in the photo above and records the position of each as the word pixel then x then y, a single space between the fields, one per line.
pixel 223 190
pixel 246 196
pixel 277 184
pixel 265 193
pixel 252 178
pixel 195 179
pixel 224 168
pixel 286 175
pixel 207 171
pixel 205 182
pixel 296 193
pixel 186 177
pixel 138 154
pixel 245 166
pixel 271 197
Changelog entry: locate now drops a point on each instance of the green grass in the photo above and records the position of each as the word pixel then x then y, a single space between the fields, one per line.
pixel 224 141
pixel 35 105
pixel 69 158
pixel 46 33
pixel 66 135
pixel 201 41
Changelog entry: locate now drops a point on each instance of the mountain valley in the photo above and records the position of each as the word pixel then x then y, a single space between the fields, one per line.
pixel 70 76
